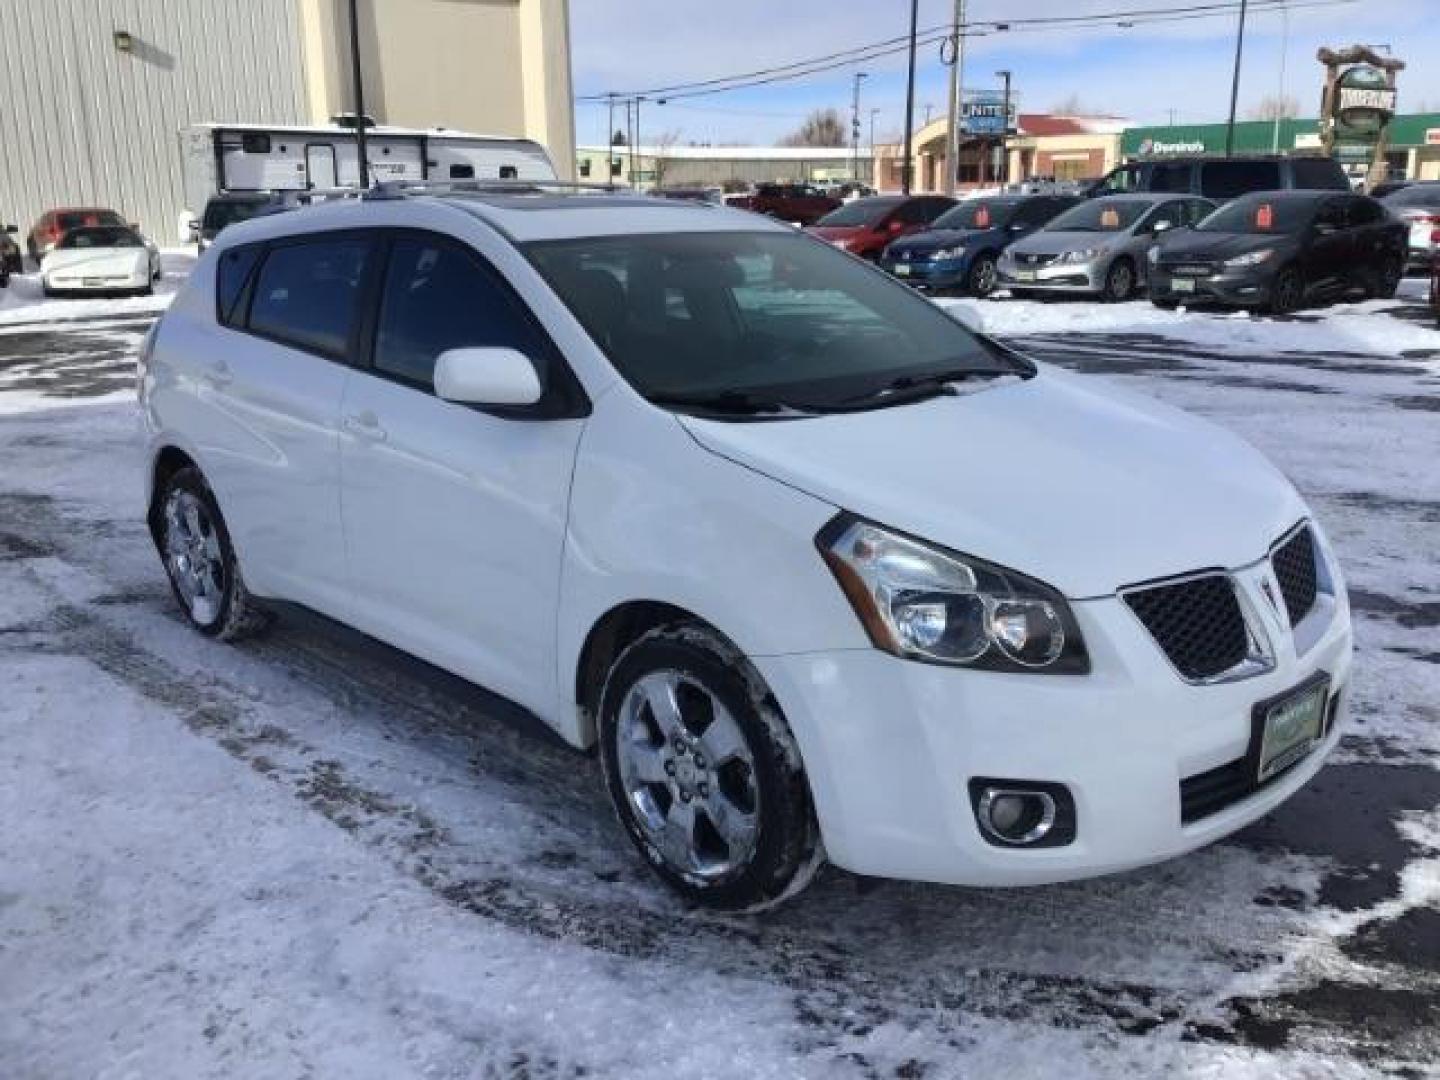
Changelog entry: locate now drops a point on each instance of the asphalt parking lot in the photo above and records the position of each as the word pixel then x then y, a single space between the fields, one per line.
pixel 1308 944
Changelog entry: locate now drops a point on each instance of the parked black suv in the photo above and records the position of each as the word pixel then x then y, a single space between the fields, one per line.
pixel 1222 178
pixel 1277 250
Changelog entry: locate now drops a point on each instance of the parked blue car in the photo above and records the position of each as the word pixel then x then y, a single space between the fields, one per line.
pixel 960 250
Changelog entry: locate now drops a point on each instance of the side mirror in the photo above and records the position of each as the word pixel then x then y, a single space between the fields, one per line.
pixel 486 376
pixel 1162 226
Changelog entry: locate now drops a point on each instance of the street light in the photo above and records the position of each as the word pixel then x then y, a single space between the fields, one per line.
pixel 855 128
pixel 872 145
pixel 907 167
pixel 1235 81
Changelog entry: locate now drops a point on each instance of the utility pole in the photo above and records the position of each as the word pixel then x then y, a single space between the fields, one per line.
pixel 638 148
pixel 907 169
pixel 610 140
pixel 855 128
pixel 1004 170
pixel 957 76
pixel 1235 81
pixel 362 157
pixel 1280 96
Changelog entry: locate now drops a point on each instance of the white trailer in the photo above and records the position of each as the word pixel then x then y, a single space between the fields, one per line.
pixel 265 157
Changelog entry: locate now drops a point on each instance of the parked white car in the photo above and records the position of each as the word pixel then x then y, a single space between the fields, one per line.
pixel 820 572
pixel 102 258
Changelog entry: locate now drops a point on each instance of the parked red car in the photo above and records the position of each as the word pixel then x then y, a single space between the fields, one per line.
pixel 802 204
pixel 865 226
pixel 54 224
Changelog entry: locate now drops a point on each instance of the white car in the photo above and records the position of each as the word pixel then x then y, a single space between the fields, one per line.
pixel 818 571
pixel 100 259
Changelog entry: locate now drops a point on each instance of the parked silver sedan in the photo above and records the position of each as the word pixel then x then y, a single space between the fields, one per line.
pixel 1097 247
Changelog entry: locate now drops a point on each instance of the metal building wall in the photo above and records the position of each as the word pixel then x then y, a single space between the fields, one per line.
pixel 82 122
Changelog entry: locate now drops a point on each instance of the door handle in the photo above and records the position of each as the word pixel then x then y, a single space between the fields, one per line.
pixel 365 425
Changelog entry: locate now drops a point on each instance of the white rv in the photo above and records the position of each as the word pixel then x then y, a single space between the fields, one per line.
pixel 261 157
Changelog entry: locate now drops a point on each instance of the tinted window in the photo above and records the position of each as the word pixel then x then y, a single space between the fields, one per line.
pixel 1417 195
pixel 467 172
pixel 1171 212
pixel 1171 176
pixel 108 237
pixel 922 211
pixel 861 211
pixel 307 293
pixel 230 278
pixel 1227 179
pixel 1125 178
pixel 1322 173
pixel 1262 214
pixel 1100 215
pixel 439 297
pixel 222 212
pixel 978 214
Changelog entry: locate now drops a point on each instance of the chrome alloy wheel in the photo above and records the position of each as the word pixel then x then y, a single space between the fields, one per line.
pixel 193 556
pixel 688 775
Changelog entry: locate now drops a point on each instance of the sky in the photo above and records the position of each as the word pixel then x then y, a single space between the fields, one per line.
pixel 1147 74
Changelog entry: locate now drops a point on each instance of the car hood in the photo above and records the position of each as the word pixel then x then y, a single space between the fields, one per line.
pixel 1052 243
pixel 1217 245
pixel 98 261
pixel 1061 477
pixel 938 238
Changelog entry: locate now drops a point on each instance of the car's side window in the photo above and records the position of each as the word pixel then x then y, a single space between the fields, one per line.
pixel 1197 210
pixel 1169 212
pixel 439 296
pixel 307 293
pixel 232 274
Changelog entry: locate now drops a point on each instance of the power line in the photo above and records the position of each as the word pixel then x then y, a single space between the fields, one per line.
pixel 1127 19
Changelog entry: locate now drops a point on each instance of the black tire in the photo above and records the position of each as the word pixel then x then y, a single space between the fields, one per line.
pixel 1120 282
pixel 786 848
pixel 4 278
pixel 1287 292
pixel 1025 294
pixel 235 614
pixel 982 278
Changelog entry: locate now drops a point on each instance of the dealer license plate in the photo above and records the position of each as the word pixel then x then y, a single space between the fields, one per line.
pixel 1181 284
pixel 1024 275
pixel 1291 727
pixel 902 270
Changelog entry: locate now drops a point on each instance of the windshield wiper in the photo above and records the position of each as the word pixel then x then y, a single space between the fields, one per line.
pixel 905 389
pixel 736 402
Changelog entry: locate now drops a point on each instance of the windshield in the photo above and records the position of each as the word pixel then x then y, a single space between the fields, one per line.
pixel 101 238
pixel 978 214
pixel 219 214
pixel 1100 215
pixel 1260 215
pixel 75 219
pixel 684 315
pixel 1426 195
pixel 860 212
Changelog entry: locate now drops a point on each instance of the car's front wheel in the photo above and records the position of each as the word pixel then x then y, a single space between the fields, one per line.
pixel 704 772
pixel 1287 293
pixel 983 278
pixel 200 559
pixel 1119 281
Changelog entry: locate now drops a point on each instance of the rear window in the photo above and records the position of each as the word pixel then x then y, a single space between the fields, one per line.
pixel 1227 179
pixel 230 278
pixel 1322 174
pixel 101 238
pixel 861 211
pixel 1171 176
pixel 307 293
pixel 79 219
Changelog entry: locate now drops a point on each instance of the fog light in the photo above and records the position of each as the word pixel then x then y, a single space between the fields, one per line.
pixel 1023 813
pixel 1017 817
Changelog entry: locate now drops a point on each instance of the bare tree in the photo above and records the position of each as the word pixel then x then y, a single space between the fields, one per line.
pixel 660 164
pixel 822 127
pixel 1073 105
pixel 1275 107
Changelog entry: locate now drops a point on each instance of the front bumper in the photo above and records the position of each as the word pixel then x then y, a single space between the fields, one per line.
pixel 1236 288
pixel 1053 277
pixel 105 283
pixel 890 746
pixel 928 273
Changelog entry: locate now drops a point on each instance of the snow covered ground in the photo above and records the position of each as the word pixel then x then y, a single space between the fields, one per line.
pixel 312 856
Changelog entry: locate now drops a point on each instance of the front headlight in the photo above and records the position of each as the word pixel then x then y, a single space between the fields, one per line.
pixel 947 253
pixel 1254 258
pixel 1084 255
pixel 924 603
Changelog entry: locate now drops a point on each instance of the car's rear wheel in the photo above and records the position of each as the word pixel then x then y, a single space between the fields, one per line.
pixel 200 559
pixel 982 278
pixel 1287 293
pixel 1119 281
pixel 704 772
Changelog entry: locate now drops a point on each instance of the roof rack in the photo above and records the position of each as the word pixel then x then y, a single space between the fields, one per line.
pixel 398 189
